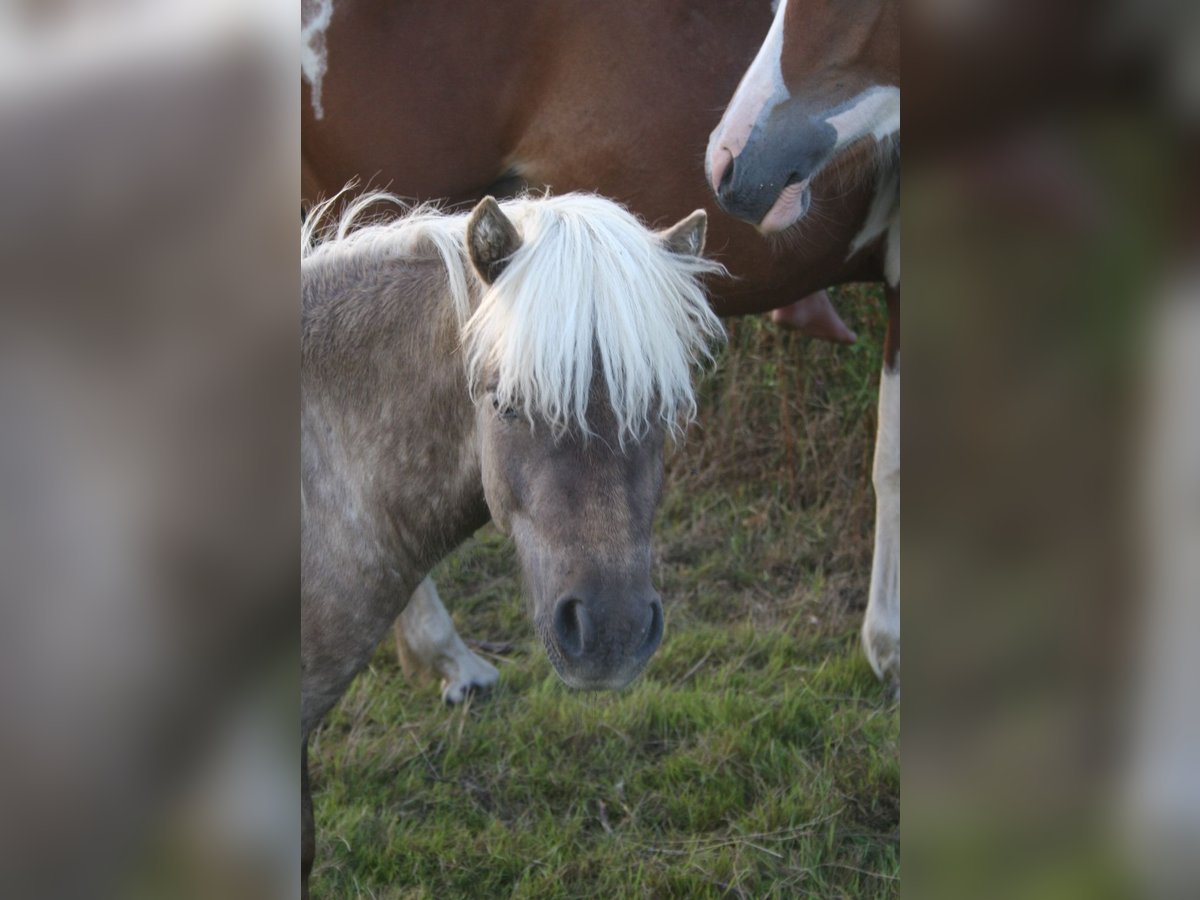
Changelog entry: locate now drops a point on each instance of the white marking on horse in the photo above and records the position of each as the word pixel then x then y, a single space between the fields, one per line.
pixel 427 642
pixel 891 261
pixel 760 91
pixel 315 16
pixel 875 112
pixel 885 208
pixel 881 626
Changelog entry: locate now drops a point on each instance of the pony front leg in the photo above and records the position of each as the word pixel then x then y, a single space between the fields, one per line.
pixel 339 630
pixel 308 840
pixel 426 642
pixel 881 626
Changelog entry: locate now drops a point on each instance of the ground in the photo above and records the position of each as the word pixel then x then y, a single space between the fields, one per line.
pixel 756 757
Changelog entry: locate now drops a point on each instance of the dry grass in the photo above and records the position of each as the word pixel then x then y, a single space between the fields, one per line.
pixel 779 463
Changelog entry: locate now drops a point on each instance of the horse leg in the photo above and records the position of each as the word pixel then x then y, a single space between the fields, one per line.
pixel 308 844
pixel 338 634
pixel 426 642
pixel 881 626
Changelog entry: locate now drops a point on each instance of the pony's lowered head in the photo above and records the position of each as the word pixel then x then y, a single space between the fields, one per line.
pixel 580 354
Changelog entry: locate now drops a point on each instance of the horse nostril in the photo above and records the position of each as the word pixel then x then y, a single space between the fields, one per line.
pixel 726 178
pixel 571 625
pixel 720 169
pixel 654 631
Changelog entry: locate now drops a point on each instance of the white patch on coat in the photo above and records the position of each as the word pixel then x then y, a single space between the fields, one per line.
pixel 885 208
pixel 315 16
pixel 881 626
pixel 875 112
pixel 760 91
pixel 891 261
pixel 426 640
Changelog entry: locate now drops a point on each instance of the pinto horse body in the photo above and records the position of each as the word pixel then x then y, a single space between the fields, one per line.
pixel 522 364
pixel 823 92
pixel 450 101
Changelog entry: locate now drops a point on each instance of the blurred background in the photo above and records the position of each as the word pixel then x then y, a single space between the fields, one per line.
pixel 148 521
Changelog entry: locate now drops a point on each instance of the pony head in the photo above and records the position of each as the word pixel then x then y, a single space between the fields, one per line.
pixel 580 355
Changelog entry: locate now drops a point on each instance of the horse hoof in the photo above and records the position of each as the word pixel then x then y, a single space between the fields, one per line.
pixel 474 676
pixel 882 647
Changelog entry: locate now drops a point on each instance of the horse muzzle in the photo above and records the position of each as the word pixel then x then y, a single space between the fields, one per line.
pixel 768 182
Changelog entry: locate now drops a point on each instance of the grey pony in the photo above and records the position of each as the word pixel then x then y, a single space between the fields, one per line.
pixel 405 453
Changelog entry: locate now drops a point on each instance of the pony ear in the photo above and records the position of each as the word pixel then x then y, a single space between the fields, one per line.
pixel 492 239
pixel 686 236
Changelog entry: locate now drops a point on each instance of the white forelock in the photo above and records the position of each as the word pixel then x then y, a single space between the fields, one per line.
pixel 590 284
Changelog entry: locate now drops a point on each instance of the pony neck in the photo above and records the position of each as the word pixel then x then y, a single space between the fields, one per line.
pixel 388 421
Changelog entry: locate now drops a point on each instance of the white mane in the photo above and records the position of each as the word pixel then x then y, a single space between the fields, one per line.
pixel 589 285
pixel 365 240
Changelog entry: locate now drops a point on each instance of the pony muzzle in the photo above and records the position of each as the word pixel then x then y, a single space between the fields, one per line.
pixel 598 643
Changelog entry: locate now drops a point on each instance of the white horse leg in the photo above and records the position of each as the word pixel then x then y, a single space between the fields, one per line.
pixel 881 627
pixel 426 642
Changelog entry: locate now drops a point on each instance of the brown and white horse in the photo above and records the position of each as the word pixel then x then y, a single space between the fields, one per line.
pixel 823 94
pixel 452 101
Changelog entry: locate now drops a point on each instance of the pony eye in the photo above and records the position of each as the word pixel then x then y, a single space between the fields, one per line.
pixel 504 412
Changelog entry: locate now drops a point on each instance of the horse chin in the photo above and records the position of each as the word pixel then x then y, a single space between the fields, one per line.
pixel 587 681
pixel 605 684
pixel 789 208
pixel 613 682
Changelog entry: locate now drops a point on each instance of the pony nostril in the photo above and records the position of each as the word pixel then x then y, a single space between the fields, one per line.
pixel 654 631
pixel 571 625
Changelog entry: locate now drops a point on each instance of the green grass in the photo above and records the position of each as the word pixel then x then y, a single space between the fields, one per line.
pixel 756 757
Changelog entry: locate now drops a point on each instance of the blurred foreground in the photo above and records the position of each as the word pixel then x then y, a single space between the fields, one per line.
pixel 148 461
pixel 1052 510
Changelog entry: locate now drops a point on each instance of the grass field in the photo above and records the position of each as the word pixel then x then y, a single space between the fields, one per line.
pixel 756 757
